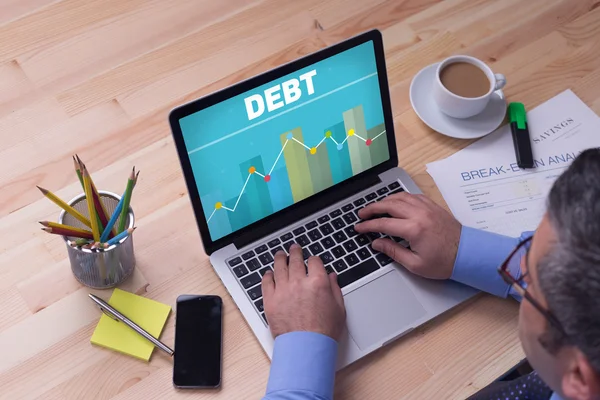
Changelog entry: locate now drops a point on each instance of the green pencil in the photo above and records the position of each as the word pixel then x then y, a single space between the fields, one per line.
pixel 78 171
pixel 126 201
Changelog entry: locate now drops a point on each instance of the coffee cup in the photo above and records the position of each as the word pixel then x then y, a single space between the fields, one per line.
pixel 464 85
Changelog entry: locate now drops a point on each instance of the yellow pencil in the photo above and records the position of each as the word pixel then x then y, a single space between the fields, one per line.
pixel 90 202
pixel 52 197
pixel 50 224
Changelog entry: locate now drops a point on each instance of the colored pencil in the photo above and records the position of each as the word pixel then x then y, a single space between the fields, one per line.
pixel 78 171
pixel 120 236
pixel 67 232
pixel 78 167
pixel 50 224
pixel 90 202
pixel 112 220
pixel 79 242
pixel 98 204
pixel 52 197
pixel 116 213
pixel 127 196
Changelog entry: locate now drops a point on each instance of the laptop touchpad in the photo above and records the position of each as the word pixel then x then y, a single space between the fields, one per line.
pixel 381 309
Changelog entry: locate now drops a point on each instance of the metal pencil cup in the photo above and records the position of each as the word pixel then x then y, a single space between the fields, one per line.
pixel 100 269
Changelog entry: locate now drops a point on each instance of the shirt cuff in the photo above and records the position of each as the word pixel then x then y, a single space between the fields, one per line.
pixel 479 255
pixel 303 361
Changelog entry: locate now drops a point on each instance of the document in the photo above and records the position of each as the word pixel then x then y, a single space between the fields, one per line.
pixel 484 187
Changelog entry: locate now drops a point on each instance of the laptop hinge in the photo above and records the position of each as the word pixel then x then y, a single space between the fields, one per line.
pixel 314 205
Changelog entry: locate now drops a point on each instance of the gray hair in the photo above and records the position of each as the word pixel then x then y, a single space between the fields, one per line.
pixel 570 274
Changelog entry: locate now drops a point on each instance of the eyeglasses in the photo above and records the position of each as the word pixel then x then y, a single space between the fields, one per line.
pixel 520 286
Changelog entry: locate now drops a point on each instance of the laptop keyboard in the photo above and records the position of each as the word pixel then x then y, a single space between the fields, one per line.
pixel 331 237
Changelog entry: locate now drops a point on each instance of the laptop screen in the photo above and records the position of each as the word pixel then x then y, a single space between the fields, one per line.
pixel 261 151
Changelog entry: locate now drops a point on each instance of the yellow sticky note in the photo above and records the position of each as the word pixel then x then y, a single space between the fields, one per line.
pixel 148 314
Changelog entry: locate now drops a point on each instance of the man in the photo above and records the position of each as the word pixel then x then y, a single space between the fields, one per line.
pixel 557 272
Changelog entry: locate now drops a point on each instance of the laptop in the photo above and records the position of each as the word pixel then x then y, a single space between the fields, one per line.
pixel 291 156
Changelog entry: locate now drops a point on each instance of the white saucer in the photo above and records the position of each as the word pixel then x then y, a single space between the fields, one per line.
pixel 469 128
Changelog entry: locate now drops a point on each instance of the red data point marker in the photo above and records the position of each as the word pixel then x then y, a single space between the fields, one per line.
pixel 368 142
pixel 267 178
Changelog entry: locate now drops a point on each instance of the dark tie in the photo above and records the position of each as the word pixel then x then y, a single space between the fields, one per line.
pixel 527 387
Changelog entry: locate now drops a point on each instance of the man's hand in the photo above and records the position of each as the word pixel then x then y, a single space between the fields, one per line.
pixel 295 301
pixel 432 232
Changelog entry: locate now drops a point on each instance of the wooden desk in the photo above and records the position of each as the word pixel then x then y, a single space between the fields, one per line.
pixel 98 77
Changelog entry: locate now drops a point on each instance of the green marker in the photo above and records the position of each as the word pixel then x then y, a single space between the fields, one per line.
pixel 520 133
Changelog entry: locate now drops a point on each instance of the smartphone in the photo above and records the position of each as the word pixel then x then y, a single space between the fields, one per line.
pixel 198 342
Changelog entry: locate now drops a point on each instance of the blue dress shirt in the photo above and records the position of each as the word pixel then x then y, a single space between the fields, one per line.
pixel 303 366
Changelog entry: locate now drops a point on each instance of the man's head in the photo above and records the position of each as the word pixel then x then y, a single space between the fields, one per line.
pixel 563 266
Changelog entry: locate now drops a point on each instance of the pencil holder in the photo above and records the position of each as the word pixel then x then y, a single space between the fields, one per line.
pixel 101 268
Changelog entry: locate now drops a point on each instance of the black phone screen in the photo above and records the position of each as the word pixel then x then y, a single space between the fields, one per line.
pixel 197 359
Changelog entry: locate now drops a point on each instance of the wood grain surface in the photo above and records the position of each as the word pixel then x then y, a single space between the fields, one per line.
pixel 98 78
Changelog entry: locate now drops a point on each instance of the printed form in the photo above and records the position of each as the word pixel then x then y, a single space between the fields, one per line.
pixel 485 188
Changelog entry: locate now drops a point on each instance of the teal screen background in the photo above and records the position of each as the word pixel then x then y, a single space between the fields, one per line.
pixel 290 153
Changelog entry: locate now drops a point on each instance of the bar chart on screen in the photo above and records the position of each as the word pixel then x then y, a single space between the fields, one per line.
pixel 302 169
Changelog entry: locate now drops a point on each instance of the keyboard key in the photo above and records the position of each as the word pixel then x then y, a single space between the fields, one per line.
pixel 265 318
pixel 396 191
pixel 326 228
pixel 250 280
pixel 382 191
pixel 350 246
pixel 339 237
pixel 359 202
pixel 298 231
pixel 276 249
pixel 360 271
pixel 338 223
pixel 265 258
pixel 361 240
pixel 259 305
pixel 326 257
pixel 371 196
pixel 314 235
pixel 248 255
pixel 286 237
pixel 235 261
pixel 263 271
pixel 287 245
pixel 311 225
pixel 335 213
pixel 397 239
pixel 351 259
pixel 347 207
pixel 261 249
pixel 328 269
pixel 274 243
pixel 323 219
pixel 302 240
pixel 356 210
pixel 383 259
pixel 240 271
pixel 374 235
pixel 394 185
pixel 363 253
pixel 339 266
pixel 350 231
pixel 328 242
pixel 305 254
pixel 338 251
pixel 350 218
pixel 253 264
pixel 255 292
pixel 315 248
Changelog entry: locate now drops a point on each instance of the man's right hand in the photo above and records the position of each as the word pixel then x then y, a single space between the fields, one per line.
pixel 297 301
pixel 432 232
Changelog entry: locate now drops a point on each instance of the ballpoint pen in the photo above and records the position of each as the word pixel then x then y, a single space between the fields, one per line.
pixel 117 316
